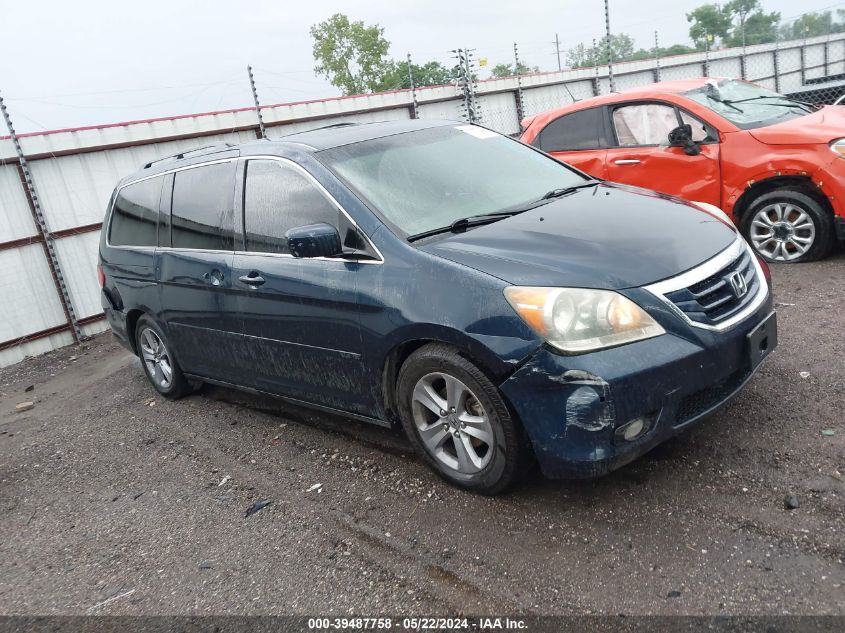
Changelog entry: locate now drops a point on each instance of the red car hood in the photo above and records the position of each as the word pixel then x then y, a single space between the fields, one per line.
pixel 818 127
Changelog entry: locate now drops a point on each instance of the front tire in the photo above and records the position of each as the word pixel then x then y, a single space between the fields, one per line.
pixel 159 364
pixel 787 226
pixel 458 421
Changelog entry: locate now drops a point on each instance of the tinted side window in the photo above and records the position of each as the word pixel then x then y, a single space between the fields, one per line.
pixel 579 130
pixel 277 197
pixel 202 215
pixel 135 214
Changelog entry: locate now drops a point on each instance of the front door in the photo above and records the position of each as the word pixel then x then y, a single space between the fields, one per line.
pixel 643 158
pixel 300 317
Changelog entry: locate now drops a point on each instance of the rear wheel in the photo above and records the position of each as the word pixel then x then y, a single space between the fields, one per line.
pixel 158 362
pixel 458 421
pixel 788 226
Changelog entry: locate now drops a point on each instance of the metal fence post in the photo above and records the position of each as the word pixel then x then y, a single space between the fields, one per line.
pixel 40 222
pixel 656 72
pixel 520 104
pixel 776 62
pixel 261 129
pixel 415 112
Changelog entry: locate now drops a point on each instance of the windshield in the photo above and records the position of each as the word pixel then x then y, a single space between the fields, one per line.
pixel 746 105
pixel 426 179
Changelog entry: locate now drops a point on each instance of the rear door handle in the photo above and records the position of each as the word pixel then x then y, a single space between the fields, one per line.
pixel 252 279
pixel 215 277
pixel 627 161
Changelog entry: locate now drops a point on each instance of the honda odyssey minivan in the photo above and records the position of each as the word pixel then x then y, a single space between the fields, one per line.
pixel 499 305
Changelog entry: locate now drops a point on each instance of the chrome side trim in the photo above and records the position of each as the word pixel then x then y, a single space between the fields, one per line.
pixel 280 159
pixel 137 180
pixel 708 269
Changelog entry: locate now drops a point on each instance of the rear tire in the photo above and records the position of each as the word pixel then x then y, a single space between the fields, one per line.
pixel 458 421
pixel 788 226
pixel 159 364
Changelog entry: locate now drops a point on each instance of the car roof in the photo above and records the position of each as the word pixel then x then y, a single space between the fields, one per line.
pixel 348 133
pixel 315 140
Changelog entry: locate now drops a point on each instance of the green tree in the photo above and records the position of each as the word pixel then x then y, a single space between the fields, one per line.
pixel 708 22
pixel 621 46
pixel 350 55
pixel 809 25
pixel 509 70
pixel 760 28
pixel 741 10
pixel 428 74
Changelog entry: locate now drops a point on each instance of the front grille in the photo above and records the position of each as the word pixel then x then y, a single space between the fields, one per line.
pixel 695 404
pixel 714 299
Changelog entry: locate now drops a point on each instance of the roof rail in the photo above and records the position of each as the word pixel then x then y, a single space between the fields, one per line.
pixel 204 149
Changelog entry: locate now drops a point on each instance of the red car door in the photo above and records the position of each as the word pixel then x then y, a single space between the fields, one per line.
pixel 641 156
pixel 577 138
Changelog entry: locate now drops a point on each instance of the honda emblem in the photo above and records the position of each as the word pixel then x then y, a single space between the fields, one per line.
pixel 738 284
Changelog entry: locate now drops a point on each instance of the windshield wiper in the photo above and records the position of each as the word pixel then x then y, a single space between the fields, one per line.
pixel 462 224
pixel 465 223
pixel 723 101
pixel 565 191
pixel 808 107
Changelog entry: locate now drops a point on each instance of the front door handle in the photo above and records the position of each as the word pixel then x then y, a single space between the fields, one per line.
pixel 627 161
pixel 252 279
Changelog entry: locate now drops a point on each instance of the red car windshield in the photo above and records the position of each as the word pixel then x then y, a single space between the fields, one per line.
pixel 747 105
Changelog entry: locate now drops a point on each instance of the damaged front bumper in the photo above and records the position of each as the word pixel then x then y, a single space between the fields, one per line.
pixel 575 409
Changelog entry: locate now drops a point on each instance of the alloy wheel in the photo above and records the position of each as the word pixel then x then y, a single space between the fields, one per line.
pixel 782 231
pixel 452 423
pixel 156 358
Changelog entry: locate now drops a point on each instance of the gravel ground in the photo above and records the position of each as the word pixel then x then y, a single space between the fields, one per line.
pixel 116 501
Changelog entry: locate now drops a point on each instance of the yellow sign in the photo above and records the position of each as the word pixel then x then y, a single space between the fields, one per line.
pixel 482 61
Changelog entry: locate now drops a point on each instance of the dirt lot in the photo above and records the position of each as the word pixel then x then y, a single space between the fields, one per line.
pixel 115 501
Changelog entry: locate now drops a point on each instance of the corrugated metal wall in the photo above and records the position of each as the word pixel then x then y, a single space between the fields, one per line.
pixel 75 170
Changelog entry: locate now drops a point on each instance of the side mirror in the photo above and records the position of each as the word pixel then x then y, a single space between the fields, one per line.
pixel 314 240
pixel 681 136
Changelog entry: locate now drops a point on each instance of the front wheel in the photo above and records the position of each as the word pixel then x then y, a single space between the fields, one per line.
pixel 788 226
pixel 458 421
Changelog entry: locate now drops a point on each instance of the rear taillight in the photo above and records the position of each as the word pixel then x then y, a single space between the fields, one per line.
pixel 101 276
pixel 767 273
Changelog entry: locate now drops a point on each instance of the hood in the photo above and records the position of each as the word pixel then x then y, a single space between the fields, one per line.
pixel 817 127
pixel 610 236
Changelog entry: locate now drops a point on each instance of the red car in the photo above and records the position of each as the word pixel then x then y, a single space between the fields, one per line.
pixel 776 165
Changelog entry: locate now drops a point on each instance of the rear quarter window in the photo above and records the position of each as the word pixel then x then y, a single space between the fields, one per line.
pixel 579 130
pixel 134 220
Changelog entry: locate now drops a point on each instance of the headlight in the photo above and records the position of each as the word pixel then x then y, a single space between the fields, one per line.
pixel 712 209
pixel 838 147
pixel 578 320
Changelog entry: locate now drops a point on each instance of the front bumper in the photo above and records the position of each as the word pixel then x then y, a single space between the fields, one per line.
pixel 572 406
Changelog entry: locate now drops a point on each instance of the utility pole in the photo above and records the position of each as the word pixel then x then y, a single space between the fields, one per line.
pixel 46 236
pixel 609 47
pixel 557 49
pixel 257 106
pixel 415 114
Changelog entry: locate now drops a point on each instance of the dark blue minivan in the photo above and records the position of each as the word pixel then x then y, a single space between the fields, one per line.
pixel 501 306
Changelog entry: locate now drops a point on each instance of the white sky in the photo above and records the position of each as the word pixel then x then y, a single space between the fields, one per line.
pixel 68 64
